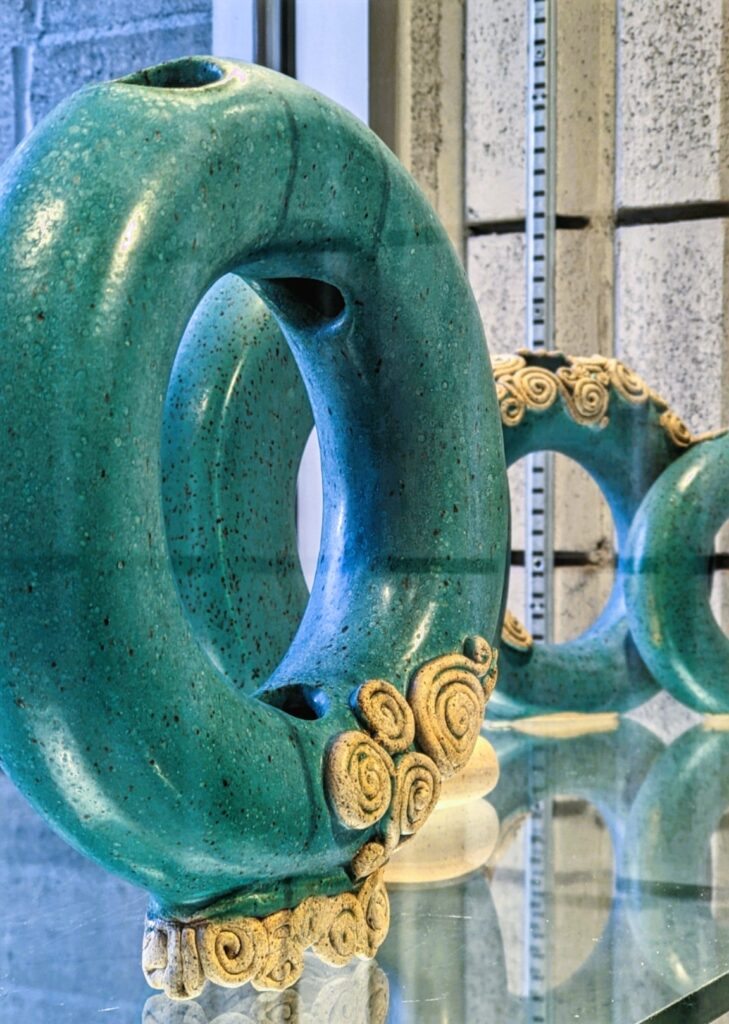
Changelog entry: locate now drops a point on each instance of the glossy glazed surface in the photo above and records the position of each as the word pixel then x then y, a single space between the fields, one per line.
pixel 235 422
pixel 668 582
pixel 125 718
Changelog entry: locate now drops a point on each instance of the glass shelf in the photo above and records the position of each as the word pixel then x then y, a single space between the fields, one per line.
pixel 600 894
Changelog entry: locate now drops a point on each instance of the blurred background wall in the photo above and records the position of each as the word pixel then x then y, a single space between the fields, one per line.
pixel 50 48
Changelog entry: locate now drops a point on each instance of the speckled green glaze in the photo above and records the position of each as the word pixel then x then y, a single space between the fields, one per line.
pixel 126 718
pixel 668 578
pixel 600 670
pixel 235 423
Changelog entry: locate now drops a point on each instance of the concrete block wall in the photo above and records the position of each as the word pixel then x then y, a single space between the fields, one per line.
pixel 642 208
pixel 49 48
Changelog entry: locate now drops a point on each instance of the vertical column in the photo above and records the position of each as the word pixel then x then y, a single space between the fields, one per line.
pixel 541 162
pixel 416 96
pixel 275 35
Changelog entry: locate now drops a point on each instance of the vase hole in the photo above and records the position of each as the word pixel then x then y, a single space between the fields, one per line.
pixel 720 579
pixel 307 703
pixel 304 301
pixel 309 508
pixel 177 74
pixel 585 548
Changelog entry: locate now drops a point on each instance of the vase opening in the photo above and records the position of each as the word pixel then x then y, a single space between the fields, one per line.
pixel 188 73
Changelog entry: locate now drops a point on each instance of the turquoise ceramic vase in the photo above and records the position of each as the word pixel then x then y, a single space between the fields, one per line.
pixel 604 416
pixel 668 585
pixel 152 707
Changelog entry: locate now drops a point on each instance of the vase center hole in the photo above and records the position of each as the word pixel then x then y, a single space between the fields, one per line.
pixel 720 579
pixel 305 301
pixel 584 548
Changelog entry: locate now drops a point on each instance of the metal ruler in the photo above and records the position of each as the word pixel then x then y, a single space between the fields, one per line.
pixel 540 260
pixel 538 554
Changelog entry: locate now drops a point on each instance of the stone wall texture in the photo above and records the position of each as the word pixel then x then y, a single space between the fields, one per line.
pixel 49 48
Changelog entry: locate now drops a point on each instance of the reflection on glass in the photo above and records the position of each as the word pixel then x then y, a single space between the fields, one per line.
pixel 355 994
pixel 630 912
pixel 675 858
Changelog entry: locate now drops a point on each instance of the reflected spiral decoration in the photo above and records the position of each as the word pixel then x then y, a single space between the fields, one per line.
pixel 359 994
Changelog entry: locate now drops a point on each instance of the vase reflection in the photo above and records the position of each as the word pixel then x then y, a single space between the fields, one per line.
pixel 357 994
pixel 677 855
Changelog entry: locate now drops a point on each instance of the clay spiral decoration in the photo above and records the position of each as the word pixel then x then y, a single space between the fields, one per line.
pixel 515 634
pixel 448 702
pixel 383 710
pixel 376 911
pixel 180 957
pixel 146 707
pixel 344 937
pixel 370 857
pixel 311 919
pixel 361 779
pixel 232 952
pixel 537 387
pixel 629 384
pixel 583 383
pixel 284 964
pixel 588 398
pixel 417 788
pixel 677 430
pixel 171 961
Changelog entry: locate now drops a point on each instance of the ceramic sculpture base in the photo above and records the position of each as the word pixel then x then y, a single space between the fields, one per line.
pixel 372 775
pixel 181 956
